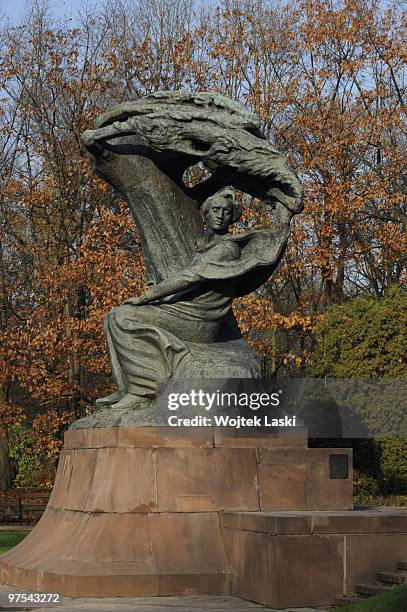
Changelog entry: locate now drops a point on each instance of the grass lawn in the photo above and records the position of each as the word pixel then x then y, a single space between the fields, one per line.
pixel 395 601
pixel 9 539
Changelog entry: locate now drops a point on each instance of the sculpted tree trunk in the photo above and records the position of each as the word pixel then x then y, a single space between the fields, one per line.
pixel 143 148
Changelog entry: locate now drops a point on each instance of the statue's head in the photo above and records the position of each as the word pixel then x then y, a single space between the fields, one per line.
pixel 221 210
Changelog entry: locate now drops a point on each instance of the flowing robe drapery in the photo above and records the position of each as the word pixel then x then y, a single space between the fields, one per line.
pixel 149 343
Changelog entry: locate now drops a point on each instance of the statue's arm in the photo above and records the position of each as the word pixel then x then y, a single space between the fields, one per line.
pixel 184 279
pixel 93 138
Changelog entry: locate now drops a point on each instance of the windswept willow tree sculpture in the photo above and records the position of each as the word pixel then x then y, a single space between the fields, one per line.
pixel 183 327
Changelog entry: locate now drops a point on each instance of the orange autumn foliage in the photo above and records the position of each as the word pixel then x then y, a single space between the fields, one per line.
pixel 328 82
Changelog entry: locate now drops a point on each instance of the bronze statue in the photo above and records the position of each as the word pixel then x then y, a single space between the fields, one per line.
pixel 183 326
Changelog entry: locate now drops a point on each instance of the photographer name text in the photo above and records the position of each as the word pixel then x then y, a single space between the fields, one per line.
pixel 228 421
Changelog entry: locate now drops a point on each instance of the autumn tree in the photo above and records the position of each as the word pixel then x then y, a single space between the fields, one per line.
pixel 327 80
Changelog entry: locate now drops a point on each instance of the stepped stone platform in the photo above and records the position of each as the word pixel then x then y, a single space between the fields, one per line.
pixel 160 511
pixel 136 511
pixel 383 582
pixel 308 558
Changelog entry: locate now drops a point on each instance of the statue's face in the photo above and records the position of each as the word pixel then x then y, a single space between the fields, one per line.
pixel 220 215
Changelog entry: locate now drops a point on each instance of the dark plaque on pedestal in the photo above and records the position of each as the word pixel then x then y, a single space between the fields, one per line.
pixel 338 466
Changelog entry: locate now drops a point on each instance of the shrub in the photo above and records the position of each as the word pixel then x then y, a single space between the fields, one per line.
pixel 367 338
pixel 34 467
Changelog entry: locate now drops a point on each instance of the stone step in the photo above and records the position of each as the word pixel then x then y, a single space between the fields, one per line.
pixel 372 589
pixel 396 577
pixel 348 600
pixel 403 565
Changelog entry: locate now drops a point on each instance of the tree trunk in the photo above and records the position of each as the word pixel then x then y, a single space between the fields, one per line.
pixel 5 475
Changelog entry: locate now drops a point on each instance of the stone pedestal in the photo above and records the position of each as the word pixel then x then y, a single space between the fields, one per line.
pixel 136 511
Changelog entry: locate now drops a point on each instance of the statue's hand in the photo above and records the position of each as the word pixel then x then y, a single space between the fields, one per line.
pixel 283 213
pixel 137 301
pixel 88 138
pixel 143 299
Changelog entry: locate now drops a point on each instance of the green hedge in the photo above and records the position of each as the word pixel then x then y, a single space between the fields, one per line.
pixel 367 338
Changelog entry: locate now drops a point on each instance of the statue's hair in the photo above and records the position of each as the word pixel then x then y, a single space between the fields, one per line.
pixel 225 192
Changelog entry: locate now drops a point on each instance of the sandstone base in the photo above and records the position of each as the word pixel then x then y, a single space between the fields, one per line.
pixel 135 511
pixel 307 558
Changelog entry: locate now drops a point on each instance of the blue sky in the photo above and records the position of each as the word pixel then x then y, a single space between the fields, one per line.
pixel 14 10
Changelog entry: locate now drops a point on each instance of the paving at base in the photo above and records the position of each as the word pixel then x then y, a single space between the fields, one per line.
pixel 147 604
